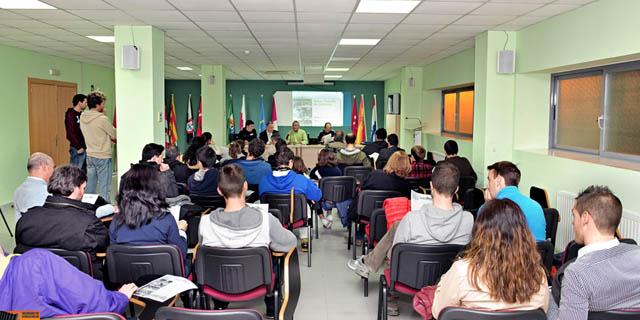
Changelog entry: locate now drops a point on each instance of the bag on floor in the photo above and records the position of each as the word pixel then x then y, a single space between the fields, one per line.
pixel 423 301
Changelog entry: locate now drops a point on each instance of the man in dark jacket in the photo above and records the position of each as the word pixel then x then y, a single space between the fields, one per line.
pixel 205 181
pixel 463 164
pixel 385 154
pixel 63 221
pixel 248 133
pixel 153 155
pixel 77 147
pixel 180 170
pixel 379 144
pixel 267 135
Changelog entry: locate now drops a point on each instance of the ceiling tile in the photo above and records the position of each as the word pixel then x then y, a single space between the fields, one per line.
pixel 223 26
pixel 322 17
pixel 524 1
pixel 261 5
pixel 199 5
pixel 272 27
pixel 212 16
pixel 329 6
pixel 267 16
pixel 507 9
pixel 578 2
pixel 79 4
pixel 157 15
pixel 175 25
pixel 140 4
pixel 521 22
pixel 43 14
pixel 377 17
pixel 433 19
pixel 552 10
pixel 221 35
pixel 477 20
pixel 77 23
pixel 447 7
pixel 330 28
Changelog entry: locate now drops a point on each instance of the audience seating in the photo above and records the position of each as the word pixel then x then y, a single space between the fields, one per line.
pixel 552 218
pixel 414 266
pixel 630 314
pixel 358 172
pixel 128 263
pixel 166 313
pixel 545 248
pixel 336 189
pixel 472 200
pixel 182 188
pixel 418 184
pixel 78 259
pixel 91 316
pixel 571 251
pixel 377 230
pixel 466 183
pixel 540 196
pixel 208 202
pixel 454 313
pixel 368 200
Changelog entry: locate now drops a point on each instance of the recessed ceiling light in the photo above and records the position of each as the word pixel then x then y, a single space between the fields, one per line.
pixel 336 69
pixel 184 68
pixel 108 39
pixel 332 76
pixel 24 4
pixel 359 42
pixel 382 6
pixel 344 59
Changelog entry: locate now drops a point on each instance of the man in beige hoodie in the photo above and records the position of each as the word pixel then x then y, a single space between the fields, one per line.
pixel 98 133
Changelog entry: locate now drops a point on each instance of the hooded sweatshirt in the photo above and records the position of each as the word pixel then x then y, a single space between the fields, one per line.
pixel 254 170
pixel 247 227
pixel 283 181
pixel 432 225
pixel 98 132
pixel 355 156
pixel 204 183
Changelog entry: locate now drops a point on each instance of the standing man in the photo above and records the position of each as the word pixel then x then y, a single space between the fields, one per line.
pixel 297 135
pixel 248 133
pixel 77 146
pixel 326 131
pixel 266 135
pixel 99 133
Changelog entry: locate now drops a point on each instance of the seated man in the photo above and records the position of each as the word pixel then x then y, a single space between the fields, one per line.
pixel 248 133
pixel 378 144
pixel 605 274
pixel 153 155
pixel 386 153
pixel 254 166
pixel 33 191
pixel 240 226
pixel 297 135
pixel 63 221
pixel 463 164
pixel 503 179
pixel 180 170
pixel 338 142
pixel 267 134
pixel 326 131
pixel 419 168
pixel 352 156
pixel 204 181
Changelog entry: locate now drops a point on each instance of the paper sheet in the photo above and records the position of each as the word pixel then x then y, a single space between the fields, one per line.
pixel 165 288
pixel 418 200
pixel 90 198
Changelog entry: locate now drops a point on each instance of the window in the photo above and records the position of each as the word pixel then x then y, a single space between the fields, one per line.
pixel 597 111
pixel 457 112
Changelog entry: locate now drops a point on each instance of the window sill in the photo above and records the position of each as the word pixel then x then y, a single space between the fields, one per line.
pixel 616 163
pixel 454 136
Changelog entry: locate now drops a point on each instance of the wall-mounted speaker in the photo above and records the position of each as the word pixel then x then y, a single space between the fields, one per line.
pixel 506 61
pixel 130 57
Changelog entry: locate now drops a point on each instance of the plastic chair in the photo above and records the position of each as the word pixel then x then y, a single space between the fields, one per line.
pixel 454 313
pixel 377 230
pixel 167 313
pixel 336 189
pixel 358 172
pixel 545 248
pixel 78 259
pixel 540 196
pixel 92 316
pixel 472 199
pixel 466 183
pixel 208 202
pixel 628 314
pixel 414 266
pixel 571 250
pixel 128 263
pixel 368 200
pixel 552 218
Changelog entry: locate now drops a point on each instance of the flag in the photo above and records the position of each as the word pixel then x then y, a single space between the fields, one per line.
pixel 173 124
pixel 274 114
pixel 362 129
pixel 354 116
pixel 231 122
pixel 243 114
pixel 262 125
pixel 166 127
pixel 189 121
pixel 199 132
pixel 374 119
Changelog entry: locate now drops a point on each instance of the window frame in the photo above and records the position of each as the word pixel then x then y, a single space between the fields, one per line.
pixel 457 132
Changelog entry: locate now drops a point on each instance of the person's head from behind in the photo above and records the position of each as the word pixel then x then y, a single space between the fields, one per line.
pixel 235 149
pixel 430 156
pixel 418 152
pixel 451 148
pixel 67 181
pixel 250 125
pixel 503 255
pixel 96 101
pixel 280 145
pixel 208 137
pixel 256 148
pixel 381 134
pixel 206 157
pixel 295 126
pixel 141 196
pixel 327 127
pixel 339 136
pixel 298 165
pixel 79 101
pixel 40 165
pixel 172 153
pixel 444 180
pixel 284 158
pixel 350 139
pixel 500 175
pixel 270 126
pixel 327 158
pixel 392 139
pixel 275 138
pixel 596 215
pixel 232 182
pixel 153 152
pixel 398 164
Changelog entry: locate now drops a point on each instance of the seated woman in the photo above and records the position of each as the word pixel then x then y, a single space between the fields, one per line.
pixel 144 216
pixel 500 269
pixel 27 282
pixel 235 153
pixel 327 166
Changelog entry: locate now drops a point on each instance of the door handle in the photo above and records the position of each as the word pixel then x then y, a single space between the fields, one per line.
pixel 601 122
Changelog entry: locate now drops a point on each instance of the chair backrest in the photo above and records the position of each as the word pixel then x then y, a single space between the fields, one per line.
pixel 358 172
pixel 473 199
pixel 208 202
pixel 630 314
pixel 338 189
pixel 571 251
pixel 377 226
pixel 368 200
pixel 276 213
pixel 127 263
pixel 91 316
pixel 540 196
pixel 466 183
pixel 417 265
pixel 78 259
pixel 454 313
pixel 545 248
pixel 552 217
pixel 282 202
pixel 168 313
pixel 233 271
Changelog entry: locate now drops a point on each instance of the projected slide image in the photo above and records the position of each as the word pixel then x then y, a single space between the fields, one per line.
pixel 316 108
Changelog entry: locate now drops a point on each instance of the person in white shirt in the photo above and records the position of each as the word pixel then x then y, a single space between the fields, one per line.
pixel 33 191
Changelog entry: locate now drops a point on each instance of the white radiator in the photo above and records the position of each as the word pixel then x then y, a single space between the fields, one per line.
pixel 629 225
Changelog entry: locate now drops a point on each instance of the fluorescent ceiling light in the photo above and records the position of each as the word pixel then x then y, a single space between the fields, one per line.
pixel 108 39
pixel 359 42
pixel 336 69
pixel 382 6
pixel 184 68
pixel 344 59
pixel 332 76
pixel 24 4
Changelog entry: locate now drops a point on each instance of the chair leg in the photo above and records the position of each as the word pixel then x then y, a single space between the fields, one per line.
pixel 316 225
pixel 276 302
pixel 355 236
pixel 310 248
pixel 364 246
pixel 382 298
pixel 349 236
pixel 132 310
pixel 366 286
pixel 5 223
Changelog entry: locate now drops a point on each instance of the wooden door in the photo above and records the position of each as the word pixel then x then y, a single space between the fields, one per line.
pixel 48 101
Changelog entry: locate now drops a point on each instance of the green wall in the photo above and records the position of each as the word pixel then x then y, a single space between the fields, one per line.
pixel 181 90
pixel 17 65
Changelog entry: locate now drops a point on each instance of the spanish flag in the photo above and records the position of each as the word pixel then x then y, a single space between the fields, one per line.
pixel 173 124
pixel 361 136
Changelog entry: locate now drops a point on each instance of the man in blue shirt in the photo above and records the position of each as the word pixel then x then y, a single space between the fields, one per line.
pixel 503 179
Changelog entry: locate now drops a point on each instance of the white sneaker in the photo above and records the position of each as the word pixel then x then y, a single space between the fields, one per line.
pixel 352 264
pixel 326 223
pixel 361 268
pixel 329 216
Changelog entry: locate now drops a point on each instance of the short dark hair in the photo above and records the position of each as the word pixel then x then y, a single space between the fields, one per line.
pixel 206 156
pixel 339 137
pixel 381 134
pixel 151 150
pixel 602 205
pixel 64 179
pixel 141 197
pixel 172 152
pixel 95 98
pixel 350 138
pixel 418 152
pixel 284 156
pixel 445 178
pixel 256 147
pixel 231 180
pixel 207 136
pixel 78 98
pixel 451 147
pixel 508 171
pixel 327 158
pixel 248 122
pixel 393 139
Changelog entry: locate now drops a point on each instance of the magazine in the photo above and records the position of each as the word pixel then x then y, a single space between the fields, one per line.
pixel 164 288
pixel 418 200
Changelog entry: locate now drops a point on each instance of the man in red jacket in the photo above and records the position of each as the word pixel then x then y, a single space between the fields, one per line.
pixel 74 135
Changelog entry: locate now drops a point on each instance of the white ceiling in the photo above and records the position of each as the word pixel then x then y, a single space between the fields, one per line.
pixel 280 34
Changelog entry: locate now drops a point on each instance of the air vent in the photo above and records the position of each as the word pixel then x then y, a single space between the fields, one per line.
pixel 278 72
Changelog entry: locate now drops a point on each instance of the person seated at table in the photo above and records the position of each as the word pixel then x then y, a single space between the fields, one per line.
pixel 203 182
pixel 326 131
pixel 153 156
pixel 266 135
pixel 419 168
pixel 338 142
pixel 248 133
pixel 327 166
pixel 297 135
pixel 190 156
pixel 352 156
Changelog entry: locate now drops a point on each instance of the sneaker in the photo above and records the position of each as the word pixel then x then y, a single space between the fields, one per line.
pixel 329 216
pixel 362 269
pixel 353 264
pixel 392 306
pixel 304 244
pixel 269 315
pixel 326 223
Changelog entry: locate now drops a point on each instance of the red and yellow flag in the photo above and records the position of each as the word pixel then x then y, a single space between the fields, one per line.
pixel 361 136
pixel 173 124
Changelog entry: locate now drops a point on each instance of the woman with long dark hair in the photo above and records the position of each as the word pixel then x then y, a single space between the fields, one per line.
pixel 501 267
pixel 190 157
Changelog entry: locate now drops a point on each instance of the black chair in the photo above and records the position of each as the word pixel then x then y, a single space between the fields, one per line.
pixel 454 313
pixel 234 275
pixel 358 172
pixel 472 200
pixel 417 184
pixel 182 188
pixel 545 248
pixel 377 230
pixel 571 250
pixel 368 200
pixel 466 183
pixel 540 196
pixel 208 202
pixel 167 313
pixel 127 263
pixel 414 266
pixel 78 259
pixel 552 218
pixel 336 189
pixel 629 314
pixel 91 316
pixel 5 223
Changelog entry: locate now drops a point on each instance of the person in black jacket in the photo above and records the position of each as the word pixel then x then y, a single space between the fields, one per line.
pixel 153 155
pixel 205 181
pixel 379 144
pixel 385 154
pixel 64 222
pixel 248 133
pixel 77 146
pixel 326 131
pixel 463 164
pixel 267 134
pixel 180 170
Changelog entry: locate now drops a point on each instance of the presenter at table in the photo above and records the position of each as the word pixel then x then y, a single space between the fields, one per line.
pixel 297 135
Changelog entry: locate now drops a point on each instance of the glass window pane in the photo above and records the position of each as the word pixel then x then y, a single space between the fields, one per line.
pixel 466 112
pixel 622 119
pixel 579 101
pixel 449 122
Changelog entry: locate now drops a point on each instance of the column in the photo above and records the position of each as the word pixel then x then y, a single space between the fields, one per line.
pixel 214 115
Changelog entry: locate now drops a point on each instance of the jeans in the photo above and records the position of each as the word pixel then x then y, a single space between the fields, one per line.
pixel 343 208
pixel 99 174
pixel 77 159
